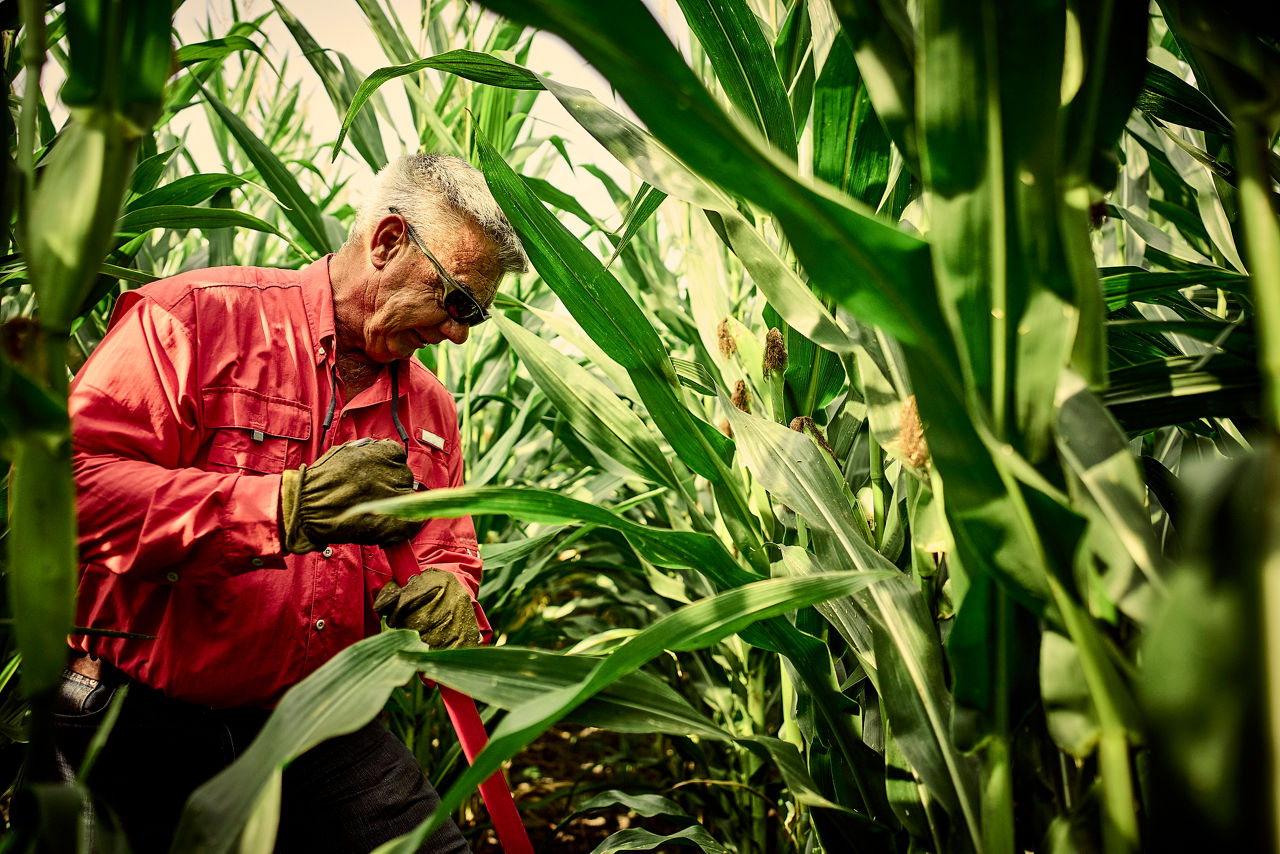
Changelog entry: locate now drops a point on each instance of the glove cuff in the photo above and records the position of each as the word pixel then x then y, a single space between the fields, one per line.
pixel 295 540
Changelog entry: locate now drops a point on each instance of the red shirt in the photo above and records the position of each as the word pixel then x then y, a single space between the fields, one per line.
pixel 207 386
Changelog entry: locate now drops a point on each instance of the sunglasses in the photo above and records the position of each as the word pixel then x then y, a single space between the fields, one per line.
pixel 459 302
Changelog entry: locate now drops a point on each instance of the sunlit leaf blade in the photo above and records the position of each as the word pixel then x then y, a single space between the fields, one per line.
pixel 1171 99
pixel 216 49
pixel 137 221
pixel 607 312
pixel 879 273
pixel 794 468
pixel 187 190
pixel 479 67
pixel 685 549
pixel 693 626
pixel 590 408
pixel 744 66
pixel 299 208
pixel 341 696
pixel 340 86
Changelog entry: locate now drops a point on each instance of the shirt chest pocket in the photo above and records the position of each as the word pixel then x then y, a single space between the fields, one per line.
pixel 254 432
pixel 429 461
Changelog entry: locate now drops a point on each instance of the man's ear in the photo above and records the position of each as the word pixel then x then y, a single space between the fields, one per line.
pixel 386 238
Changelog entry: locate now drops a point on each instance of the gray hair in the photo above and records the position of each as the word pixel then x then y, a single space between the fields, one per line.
pixel 434 193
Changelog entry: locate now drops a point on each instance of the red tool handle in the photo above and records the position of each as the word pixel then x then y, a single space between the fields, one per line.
pixel 471 733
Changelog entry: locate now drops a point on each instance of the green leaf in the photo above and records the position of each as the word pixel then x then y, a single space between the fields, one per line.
pixel 589 407
pixel 606 311
pixel 180 216
pixel 299 209
pixel 682 549
pixel 642 207
pixel 744 66
pixel 187 190
pixel 645 805
pixel 879 273
pixel 639 839
pixel 1122 286
pixel 341 696
pixel 903 644
pixel 341 85
pixel 217 49
pixel 479 67
pixel 692 627
pixel 1170 98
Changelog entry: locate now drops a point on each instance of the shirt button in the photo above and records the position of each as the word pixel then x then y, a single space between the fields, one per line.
pixel 172 576
pixel 319 625
pixel 328 551
pixel 257 561
pixel 320 350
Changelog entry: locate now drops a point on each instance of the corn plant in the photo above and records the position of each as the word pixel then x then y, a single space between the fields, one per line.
pixel 1002 270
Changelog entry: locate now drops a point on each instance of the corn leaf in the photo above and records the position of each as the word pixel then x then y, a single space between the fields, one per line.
pixel 608 314
pixel 792 467
pixel 692 627
pixel 340 87
pixel 299 209
pixel 590 408
pixel 744 66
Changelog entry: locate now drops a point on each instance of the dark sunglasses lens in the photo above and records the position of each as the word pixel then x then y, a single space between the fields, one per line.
pixel 463 308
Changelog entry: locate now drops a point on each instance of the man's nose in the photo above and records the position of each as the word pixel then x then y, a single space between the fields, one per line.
pixel 455 331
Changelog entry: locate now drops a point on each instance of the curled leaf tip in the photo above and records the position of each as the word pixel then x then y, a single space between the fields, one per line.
pixel 775 352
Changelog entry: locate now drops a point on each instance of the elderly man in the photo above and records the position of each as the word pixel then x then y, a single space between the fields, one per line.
pixel 224 424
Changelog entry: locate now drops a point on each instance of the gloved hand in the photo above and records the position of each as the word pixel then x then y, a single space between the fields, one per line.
pixel 313 497
pixel 435 605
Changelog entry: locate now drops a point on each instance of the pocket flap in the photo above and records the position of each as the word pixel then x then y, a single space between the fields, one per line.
pixel 230 406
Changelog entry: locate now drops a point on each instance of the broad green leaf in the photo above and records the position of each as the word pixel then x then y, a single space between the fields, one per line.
pixel 341 696
pixel 639 839
pixel 850 149
pixel 1095 449
pixel 744 66
pixel 216 49
pixel 608 314
pixel 1179 389
pixel 479 67
pixel 878 272
pixel 684 549
pixel 509 677
pixel 1122 286
pixel 692 627
pixel 340 86
pixel 590 408
pixel 187 190
pixel 645 805
pixel 1171 99
pixel 797 471
pixel 884 47
pixel 136 222
pixel 299 208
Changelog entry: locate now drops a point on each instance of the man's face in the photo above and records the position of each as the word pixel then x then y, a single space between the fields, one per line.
pixel 404 300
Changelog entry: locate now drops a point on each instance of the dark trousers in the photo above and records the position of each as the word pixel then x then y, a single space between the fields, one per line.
pixel 349 794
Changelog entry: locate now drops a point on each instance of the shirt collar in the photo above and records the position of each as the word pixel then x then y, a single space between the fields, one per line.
pixel 317 290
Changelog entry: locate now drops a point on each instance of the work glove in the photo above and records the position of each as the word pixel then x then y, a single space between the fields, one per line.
pixel 435 605
pixel 312 498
